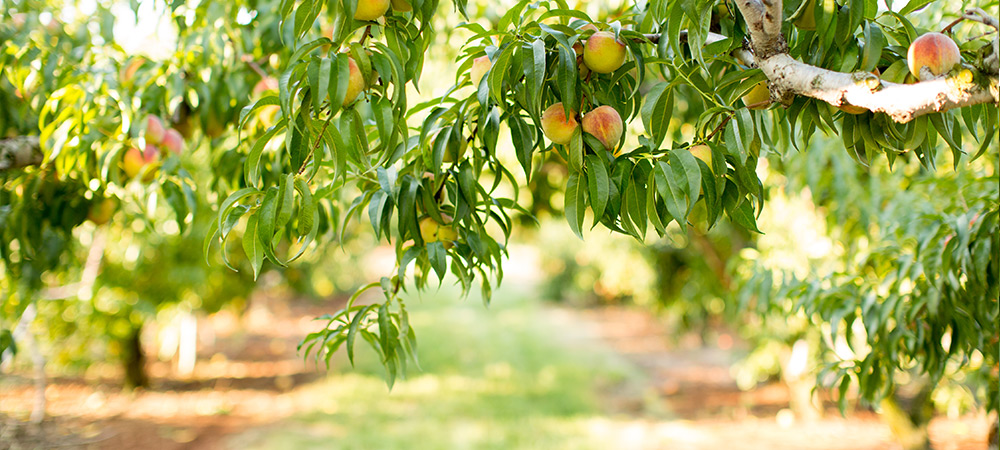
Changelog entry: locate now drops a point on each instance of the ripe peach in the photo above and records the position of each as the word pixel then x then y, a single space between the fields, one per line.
pixel 173 141
pixel 935 51
pixel 556 126
pixel 480 66
pixel 371 9
pixel 154 129
pixel 265 84
pixel 702 152
pixel 355 82
pixel 603 53
pixel 759 97
pixel 132 162
pixel 605 124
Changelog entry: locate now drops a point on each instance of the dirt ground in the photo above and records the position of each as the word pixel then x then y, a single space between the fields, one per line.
pixel 253 373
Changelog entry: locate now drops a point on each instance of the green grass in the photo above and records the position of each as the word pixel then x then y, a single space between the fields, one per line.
pixel 511 376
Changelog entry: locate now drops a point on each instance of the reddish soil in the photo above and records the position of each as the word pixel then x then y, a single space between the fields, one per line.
pixel 251 371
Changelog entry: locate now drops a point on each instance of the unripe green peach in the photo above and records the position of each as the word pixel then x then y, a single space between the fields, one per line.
pixel 154 129
pixel 556 126
pixel 605 124
pixel 935 51
pixel 851 109
pixel 429 229
pixel 432 231
pixel 759 97
pixel 447 235
pixel 371 9
pixel 480 66
pixel 101 211
pixel 355 82
pixel 704 153
pixel 603 53
pixel 401 5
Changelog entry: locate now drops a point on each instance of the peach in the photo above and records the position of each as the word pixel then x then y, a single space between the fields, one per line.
pixel 934 51
pixel 371 9
pixel 704 153
pixel 154 129
pixel 556 126
pixel 432 231
pixel 355 82
pixel 480 66
pixel 401 6
pixel 266 84
pixel 759 97
pixel 605 124
pixel 603 53
pixel 173 141
pixel 851 109
pixel 132 162
pixel 101 211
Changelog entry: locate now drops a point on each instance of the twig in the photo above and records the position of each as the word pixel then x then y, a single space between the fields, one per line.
pixel 312 151
pixel 719 128
pixel 975 15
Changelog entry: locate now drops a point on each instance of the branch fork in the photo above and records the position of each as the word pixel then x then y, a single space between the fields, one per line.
pixel 902 102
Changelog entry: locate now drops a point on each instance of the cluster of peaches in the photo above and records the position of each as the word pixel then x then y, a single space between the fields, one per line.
pixel 603 53
pixel 136 161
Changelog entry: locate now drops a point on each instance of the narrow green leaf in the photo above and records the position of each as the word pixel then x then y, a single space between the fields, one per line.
pixel 599 183
pixel 574 214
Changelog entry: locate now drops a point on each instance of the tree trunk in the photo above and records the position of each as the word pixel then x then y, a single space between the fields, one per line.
pixel 995 435
pixel 909 413
pixel 134 360
pixel 801 382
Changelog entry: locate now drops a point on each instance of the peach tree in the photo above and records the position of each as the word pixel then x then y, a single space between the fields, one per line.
pixel 659 110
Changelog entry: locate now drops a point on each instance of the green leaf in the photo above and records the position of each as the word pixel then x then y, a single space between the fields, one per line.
pixel 575 205
pixel 352 331
pixel 575 151
pixel 266 216
pixel 286 201
pixel 671 182
pixel 599 183
pixel 252 246
pixel 535 77
pixel 523 137
pixel 498 71
pixel 659 120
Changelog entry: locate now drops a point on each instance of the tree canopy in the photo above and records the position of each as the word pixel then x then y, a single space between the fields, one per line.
pixel 296 122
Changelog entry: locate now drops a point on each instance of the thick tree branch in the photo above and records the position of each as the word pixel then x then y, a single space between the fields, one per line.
pixel 763 19
pixel 20 152
pixel 902 102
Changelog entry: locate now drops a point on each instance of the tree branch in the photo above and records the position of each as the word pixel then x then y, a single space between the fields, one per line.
pixel 902 102
pixel 19 152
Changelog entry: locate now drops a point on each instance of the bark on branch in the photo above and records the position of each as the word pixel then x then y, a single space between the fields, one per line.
pixel 902 102
pixel 20 152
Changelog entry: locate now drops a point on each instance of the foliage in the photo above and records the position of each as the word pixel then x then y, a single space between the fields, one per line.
pixel 293 166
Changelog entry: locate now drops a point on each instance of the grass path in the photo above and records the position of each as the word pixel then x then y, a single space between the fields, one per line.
pixel 511 376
